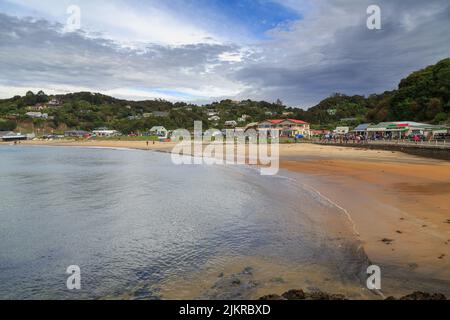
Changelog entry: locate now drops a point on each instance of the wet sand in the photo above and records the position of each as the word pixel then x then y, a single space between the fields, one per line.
pixel 398 204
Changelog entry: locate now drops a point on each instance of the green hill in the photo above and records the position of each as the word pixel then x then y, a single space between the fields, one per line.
pixel 423 96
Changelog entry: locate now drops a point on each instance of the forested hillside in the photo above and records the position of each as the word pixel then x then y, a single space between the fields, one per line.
pixel 423 96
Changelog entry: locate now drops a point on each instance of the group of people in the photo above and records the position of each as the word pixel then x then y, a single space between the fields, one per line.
pixel 345 138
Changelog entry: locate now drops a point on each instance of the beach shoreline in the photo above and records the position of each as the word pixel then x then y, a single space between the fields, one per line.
pixel 399 204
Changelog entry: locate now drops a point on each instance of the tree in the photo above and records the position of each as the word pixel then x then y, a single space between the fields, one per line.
pixel 434 107
pixel 7 125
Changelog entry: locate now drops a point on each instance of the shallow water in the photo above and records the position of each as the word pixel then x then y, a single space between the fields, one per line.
pixel 138 225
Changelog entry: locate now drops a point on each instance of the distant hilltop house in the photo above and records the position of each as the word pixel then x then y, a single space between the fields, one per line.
pixel 212 113
pixel 160 114
pixel 132 118
pixel 214 118
pixel 230 124
pixel 288 127
pixel 243 118
pixel 105 132
pixel 37 115
pixel 54 103
pixel 160 132
pixel 332 111
pixel 287 113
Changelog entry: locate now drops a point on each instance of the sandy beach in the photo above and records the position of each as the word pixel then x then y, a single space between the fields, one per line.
pixel 399 204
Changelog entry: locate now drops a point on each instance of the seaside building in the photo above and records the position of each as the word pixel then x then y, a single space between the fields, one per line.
pixel 402 129
pixel 160 132
pixel 288 127
pixel 362 129
pixel 105 132
pixel 11 136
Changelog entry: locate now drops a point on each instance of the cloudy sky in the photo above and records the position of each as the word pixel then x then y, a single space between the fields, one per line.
pixel 203 50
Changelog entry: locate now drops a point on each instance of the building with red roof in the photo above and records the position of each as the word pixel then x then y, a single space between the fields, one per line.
pixel 288 127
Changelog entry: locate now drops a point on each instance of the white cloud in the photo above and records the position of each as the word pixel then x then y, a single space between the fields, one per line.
pixel 122 21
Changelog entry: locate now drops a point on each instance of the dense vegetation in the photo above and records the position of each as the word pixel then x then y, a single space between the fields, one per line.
pixel 422 96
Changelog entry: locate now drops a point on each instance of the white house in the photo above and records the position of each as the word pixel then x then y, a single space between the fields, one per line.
pixel 160 131
pixel 231 124
pixel 105 132
pixel 244 118
pixel 287 127
pixel 37 115
pixel 214 118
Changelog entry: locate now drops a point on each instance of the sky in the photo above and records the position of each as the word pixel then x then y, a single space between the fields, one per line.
pixel 299 51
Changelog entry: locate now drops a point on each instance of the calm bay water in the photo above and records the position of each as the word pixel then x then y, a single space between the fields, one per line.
pixel 129 217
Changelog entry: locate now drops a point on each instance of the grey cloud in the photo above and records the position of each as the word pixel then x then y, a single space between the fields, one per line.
pixel 37 53
pixel 354 60
pixel 331 50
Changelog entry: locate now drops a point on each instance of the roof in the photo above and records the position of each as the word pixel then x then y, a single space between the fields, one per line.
pixel 158 128
pixel 6 133
pixel 278 121
pixel 362 127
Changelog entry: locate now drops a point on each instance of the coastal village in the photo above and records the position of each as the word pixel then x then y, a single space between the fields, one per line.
pixel 290 130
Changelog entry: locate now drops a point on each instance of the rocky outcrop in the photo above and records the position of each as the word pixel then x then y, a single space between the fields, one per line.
pixel 319 295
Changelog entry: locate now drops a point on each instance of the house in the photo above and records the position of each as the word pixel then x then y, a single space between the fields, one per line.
pixel 230 124
pixel 362 129
pixel 160 114
pixel 342 130
pixel 287 113
pixel 147 115
pixel 244 118
pixel 54 103
pixel 5 133
pixel 212 113
pixel 288 127
pixel 105 132
pixel 160 132
pixel 37 115
pixel 11 136
pixel 214 118
pixel 136 117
